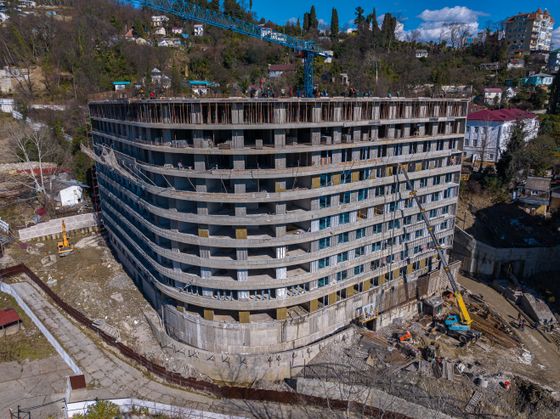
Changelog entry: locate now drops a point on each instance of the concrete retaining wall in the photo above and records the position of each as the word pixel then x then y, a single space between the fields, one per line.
pixel 487 261
pixel 53 228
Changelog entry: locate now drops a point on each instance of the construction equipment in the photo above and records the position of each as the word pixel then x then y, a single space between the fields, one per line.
pixel 406 336
pixel 64 247
pixel 194 12
pixel 457 326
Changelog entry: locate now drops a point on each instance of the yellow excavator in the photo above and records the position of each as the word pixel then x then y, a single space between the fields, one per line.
pixel 64 247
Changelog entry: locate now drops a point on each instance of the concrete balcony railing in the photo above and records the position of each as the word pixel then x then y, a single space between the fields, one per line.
pixel 295 172
pixel 285 149
pixel 263 262
pixel 190 279
pixel 270 241
pixel 294 216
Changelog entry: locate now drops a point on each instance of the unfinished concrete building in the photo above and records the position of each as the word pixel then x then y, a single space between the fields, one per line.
pixel 262 225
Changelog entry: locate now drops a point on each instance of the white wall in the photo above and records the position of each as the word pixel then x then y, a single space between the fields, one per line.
pixel 70 196
pixel 492 137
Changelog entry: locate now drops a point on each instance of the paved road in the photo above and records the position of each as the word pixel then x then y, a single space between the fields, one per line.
pixel 109 376
pixel 33 383
pixel 545 353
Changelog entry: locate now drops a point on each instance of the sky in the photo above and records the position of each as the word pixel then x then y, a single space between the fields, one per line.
pixel 426 16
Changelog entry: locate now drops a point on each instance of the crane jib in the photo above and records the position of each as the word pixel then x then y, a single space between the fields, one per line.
pixel 189 11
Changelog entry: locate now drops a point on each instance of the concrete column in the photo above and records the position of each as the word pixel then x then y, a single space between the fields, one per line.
pixel 238 162
pixel 279 113
pixel 241 254
pixel 315 136
pixel 237 139
pixel 242 275
pixel 337 135
pixel 279 161
pixel 279 138
pixel 237 116
pixel 316 113
pixel 281 273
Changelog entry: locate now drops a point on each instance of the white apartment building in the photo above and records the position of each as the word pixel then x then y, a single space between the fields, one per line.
pixel 489 131
pixel 529 32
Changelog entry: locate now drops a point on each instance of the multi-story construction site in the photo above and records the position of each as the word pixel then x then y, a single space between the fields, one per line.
pixel 264 225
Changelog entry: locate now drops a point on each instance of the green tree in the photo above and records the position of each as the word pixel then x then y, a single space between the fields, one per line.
pixel 306 22
pixel 100 410
pixel 554 101
pixel 334 24
pixel 214 5
pixel 511 160
pixel 313 22
pixel 359 20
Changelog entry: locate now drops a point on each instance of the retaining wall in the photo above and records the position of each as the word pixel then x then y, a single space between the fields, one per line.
pixel 53 228
pixel 487 261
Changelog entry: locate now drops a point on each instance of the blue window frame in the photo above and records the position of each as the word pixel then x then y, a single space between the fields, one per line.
pixel 324 262
pixel 344 218
pixel 324 223
pixel 345 197
pixel 362 194
pixel 343 238
pixel 342 257
pixel 324 201
pixel 324 242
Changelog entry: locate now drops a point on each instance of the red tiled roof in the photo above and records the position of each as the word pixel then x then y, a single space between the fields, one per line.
pixel 501 115
pixel 8 316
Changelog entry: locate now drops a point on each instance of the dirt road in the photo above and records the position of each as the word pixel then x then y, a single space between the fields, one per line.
pixel 546 364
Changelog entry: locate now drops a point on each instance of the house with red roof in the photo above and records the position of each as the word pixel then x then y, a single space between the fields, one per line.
pixel 488 132
pixel 10 322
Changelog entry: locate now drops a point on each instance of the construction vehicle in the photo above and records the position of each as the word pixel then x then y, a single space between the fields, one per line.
pixel 64 247
pixel 190 11
pixel 457 326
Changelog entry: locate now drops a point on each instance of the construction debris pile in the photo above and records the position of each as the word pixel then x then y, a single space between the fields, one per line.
pixel 419 362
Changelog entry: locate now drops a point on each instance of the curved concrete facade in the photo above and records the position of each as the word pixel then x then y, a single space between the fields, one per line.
pixel 267 224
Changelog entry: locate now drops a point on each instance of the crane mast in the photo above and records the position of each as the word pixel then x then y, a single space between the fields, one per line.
pixel 463 312
pixel 194 12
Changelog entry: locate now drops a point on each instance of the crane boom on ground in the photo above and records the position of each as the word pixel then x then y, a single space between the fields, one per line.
pixel 189 11
pixel 463 311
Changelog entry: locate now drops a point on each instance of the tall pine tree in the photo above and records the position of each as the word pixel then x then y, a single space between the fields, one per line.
pixel 313 22
pixel 334 24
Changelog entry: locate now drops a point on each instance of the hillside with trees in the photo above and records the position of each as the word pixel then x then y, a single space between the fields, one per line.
pixel 76 48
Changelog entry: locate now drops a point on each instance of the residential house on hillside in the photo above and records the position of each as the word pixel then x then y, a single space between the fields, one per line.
pixel 537 80
pixel 492 95
pixel 421 53
pixel 534 195
pixel 198 30
pixel 554 61
pixel 277 70
pixel 489 131
pixel 159 21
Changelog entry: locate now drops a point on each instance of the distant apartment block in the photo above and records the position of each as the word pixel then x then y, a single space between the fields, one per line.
pixel 529 32
pixel 553 64
pixel 262 225
pixel 489 131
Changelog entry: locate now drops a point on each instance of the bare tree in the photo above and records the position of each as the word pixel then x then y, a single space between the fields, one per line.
pixel 39 151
